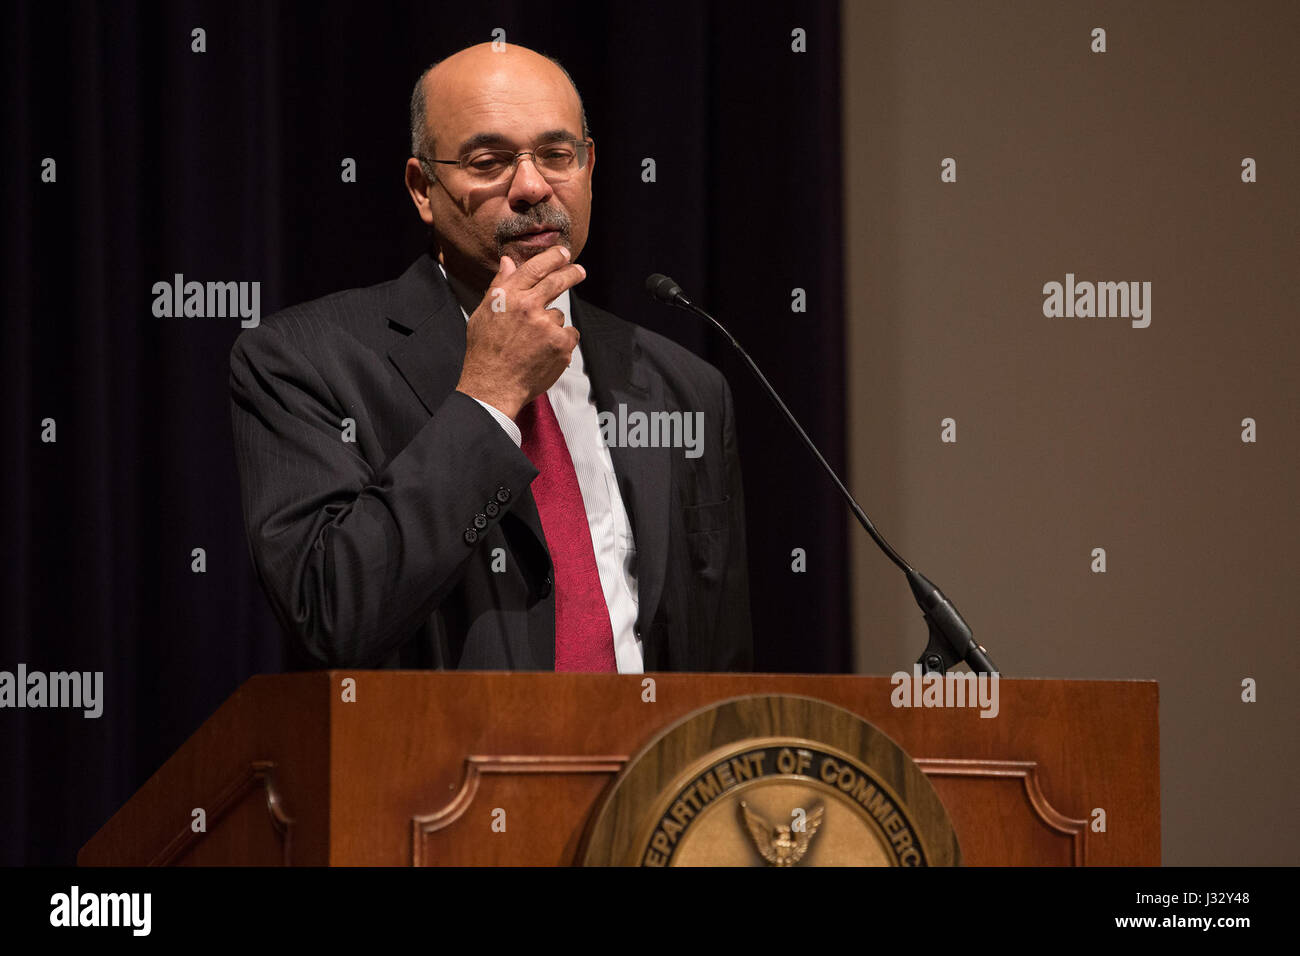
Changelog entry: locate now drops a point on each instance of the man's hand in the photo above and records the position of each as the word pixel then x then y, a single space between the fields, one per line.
pixel 515 347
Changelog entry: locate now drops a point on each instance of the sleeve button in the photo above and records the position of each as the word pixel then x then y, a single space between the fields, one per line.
pixel 491 509
pixel 503 495
pixel 470 535
pixel 480 521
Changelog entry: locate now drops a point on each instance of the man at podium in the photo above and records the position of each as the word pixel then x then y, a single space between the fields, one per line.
pixel 470 466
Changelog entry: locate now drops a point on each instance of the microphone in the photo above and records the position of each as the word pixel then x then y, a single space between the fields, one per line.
pixel 666 290
pixel 951 640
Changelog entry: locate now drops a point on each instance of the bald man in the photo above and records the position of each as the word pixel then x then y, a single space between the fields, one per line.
pixel 470 466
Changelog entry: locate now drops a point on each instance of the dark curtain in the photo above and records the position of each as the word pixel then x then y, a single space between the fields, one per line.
pixel 225 165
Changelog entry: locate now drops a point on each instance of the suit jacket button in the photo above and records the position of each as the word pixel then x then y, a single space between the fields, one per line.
pixel 470 535
pixel 491 509
pixel 503 495
pixel 480 521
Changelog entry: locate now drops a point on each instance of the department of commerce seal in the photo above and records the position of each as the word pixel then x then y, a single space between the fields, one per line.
pixel 771 781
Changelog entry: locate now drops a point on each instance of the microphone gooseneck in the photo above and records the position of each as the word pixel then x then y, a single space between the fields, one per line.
pixel 951 640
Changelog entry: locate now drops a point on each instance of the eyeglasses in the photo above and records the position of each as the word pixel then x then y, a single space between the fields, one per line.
pixel 557 161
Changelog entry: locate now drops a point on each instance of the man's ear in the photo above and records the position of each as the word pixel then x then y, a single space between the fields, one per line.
pixel 417 185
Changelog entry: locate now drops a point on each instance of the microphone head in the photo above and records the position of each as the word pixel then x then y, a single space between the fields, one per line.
pixel 663 288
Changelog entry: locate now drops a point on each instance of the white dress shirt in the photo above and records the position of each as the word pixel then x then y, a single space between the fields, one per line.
pixel 611 533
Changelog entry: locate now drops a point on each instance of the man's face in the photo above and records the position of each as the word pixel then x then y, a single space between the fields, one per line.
pixel 514 100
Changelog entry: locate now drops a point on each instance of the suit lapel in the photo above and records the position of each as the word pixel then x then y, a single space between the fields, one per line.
pixel 433 350
pixel 611 360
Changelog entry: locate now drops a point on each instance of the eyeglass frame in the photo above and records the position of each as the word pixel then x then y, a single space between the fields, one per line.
pixel 514 162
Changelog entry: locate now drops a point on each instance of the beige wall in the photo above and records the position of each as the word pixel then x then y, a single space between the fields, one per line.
pixel 1082 433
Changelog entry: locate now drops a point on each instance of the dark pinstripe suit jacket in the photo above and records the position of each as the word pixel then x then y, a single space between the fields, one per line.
pixel 368 549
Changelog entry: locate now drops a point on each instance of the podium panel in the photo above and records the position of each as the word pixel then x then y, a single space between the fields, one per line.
pixel 473 768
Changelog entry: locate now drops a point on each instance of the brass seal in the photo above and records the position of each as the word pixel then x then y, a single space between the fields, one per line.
pixel 771 781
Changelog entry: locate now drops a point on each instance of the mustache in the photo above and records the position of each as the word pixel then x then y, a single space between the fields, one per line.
pixel 538 216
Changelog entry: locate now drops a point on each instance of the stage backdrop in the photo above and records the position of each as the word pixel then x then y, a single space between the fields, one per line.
pixel 132 156
pixel 1101 497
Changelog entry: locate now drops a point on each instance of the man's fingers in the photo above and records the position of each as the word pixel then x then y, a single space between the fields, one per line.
pixel 541 265
pixel 557 278
pixel 549 289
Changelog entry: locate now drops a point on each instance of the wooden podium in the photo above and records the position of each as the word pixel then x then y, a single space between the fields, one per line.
pixel 410 772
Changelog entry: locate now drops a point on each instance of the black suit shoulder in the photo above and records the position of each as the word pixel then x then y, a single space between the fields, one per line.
pixel 358 313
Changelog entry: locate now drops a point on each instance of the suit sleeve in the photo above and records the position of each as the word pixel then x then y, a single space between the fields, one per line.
pixel 735 647
pixel 354 557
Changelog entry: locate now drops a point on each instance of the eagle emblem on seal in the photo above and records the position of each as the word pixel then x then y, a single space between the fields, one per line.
pixel 781 845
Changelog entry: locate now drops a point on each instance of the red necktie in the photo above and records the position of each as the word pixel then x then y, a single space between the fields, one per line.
pixel 584 639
